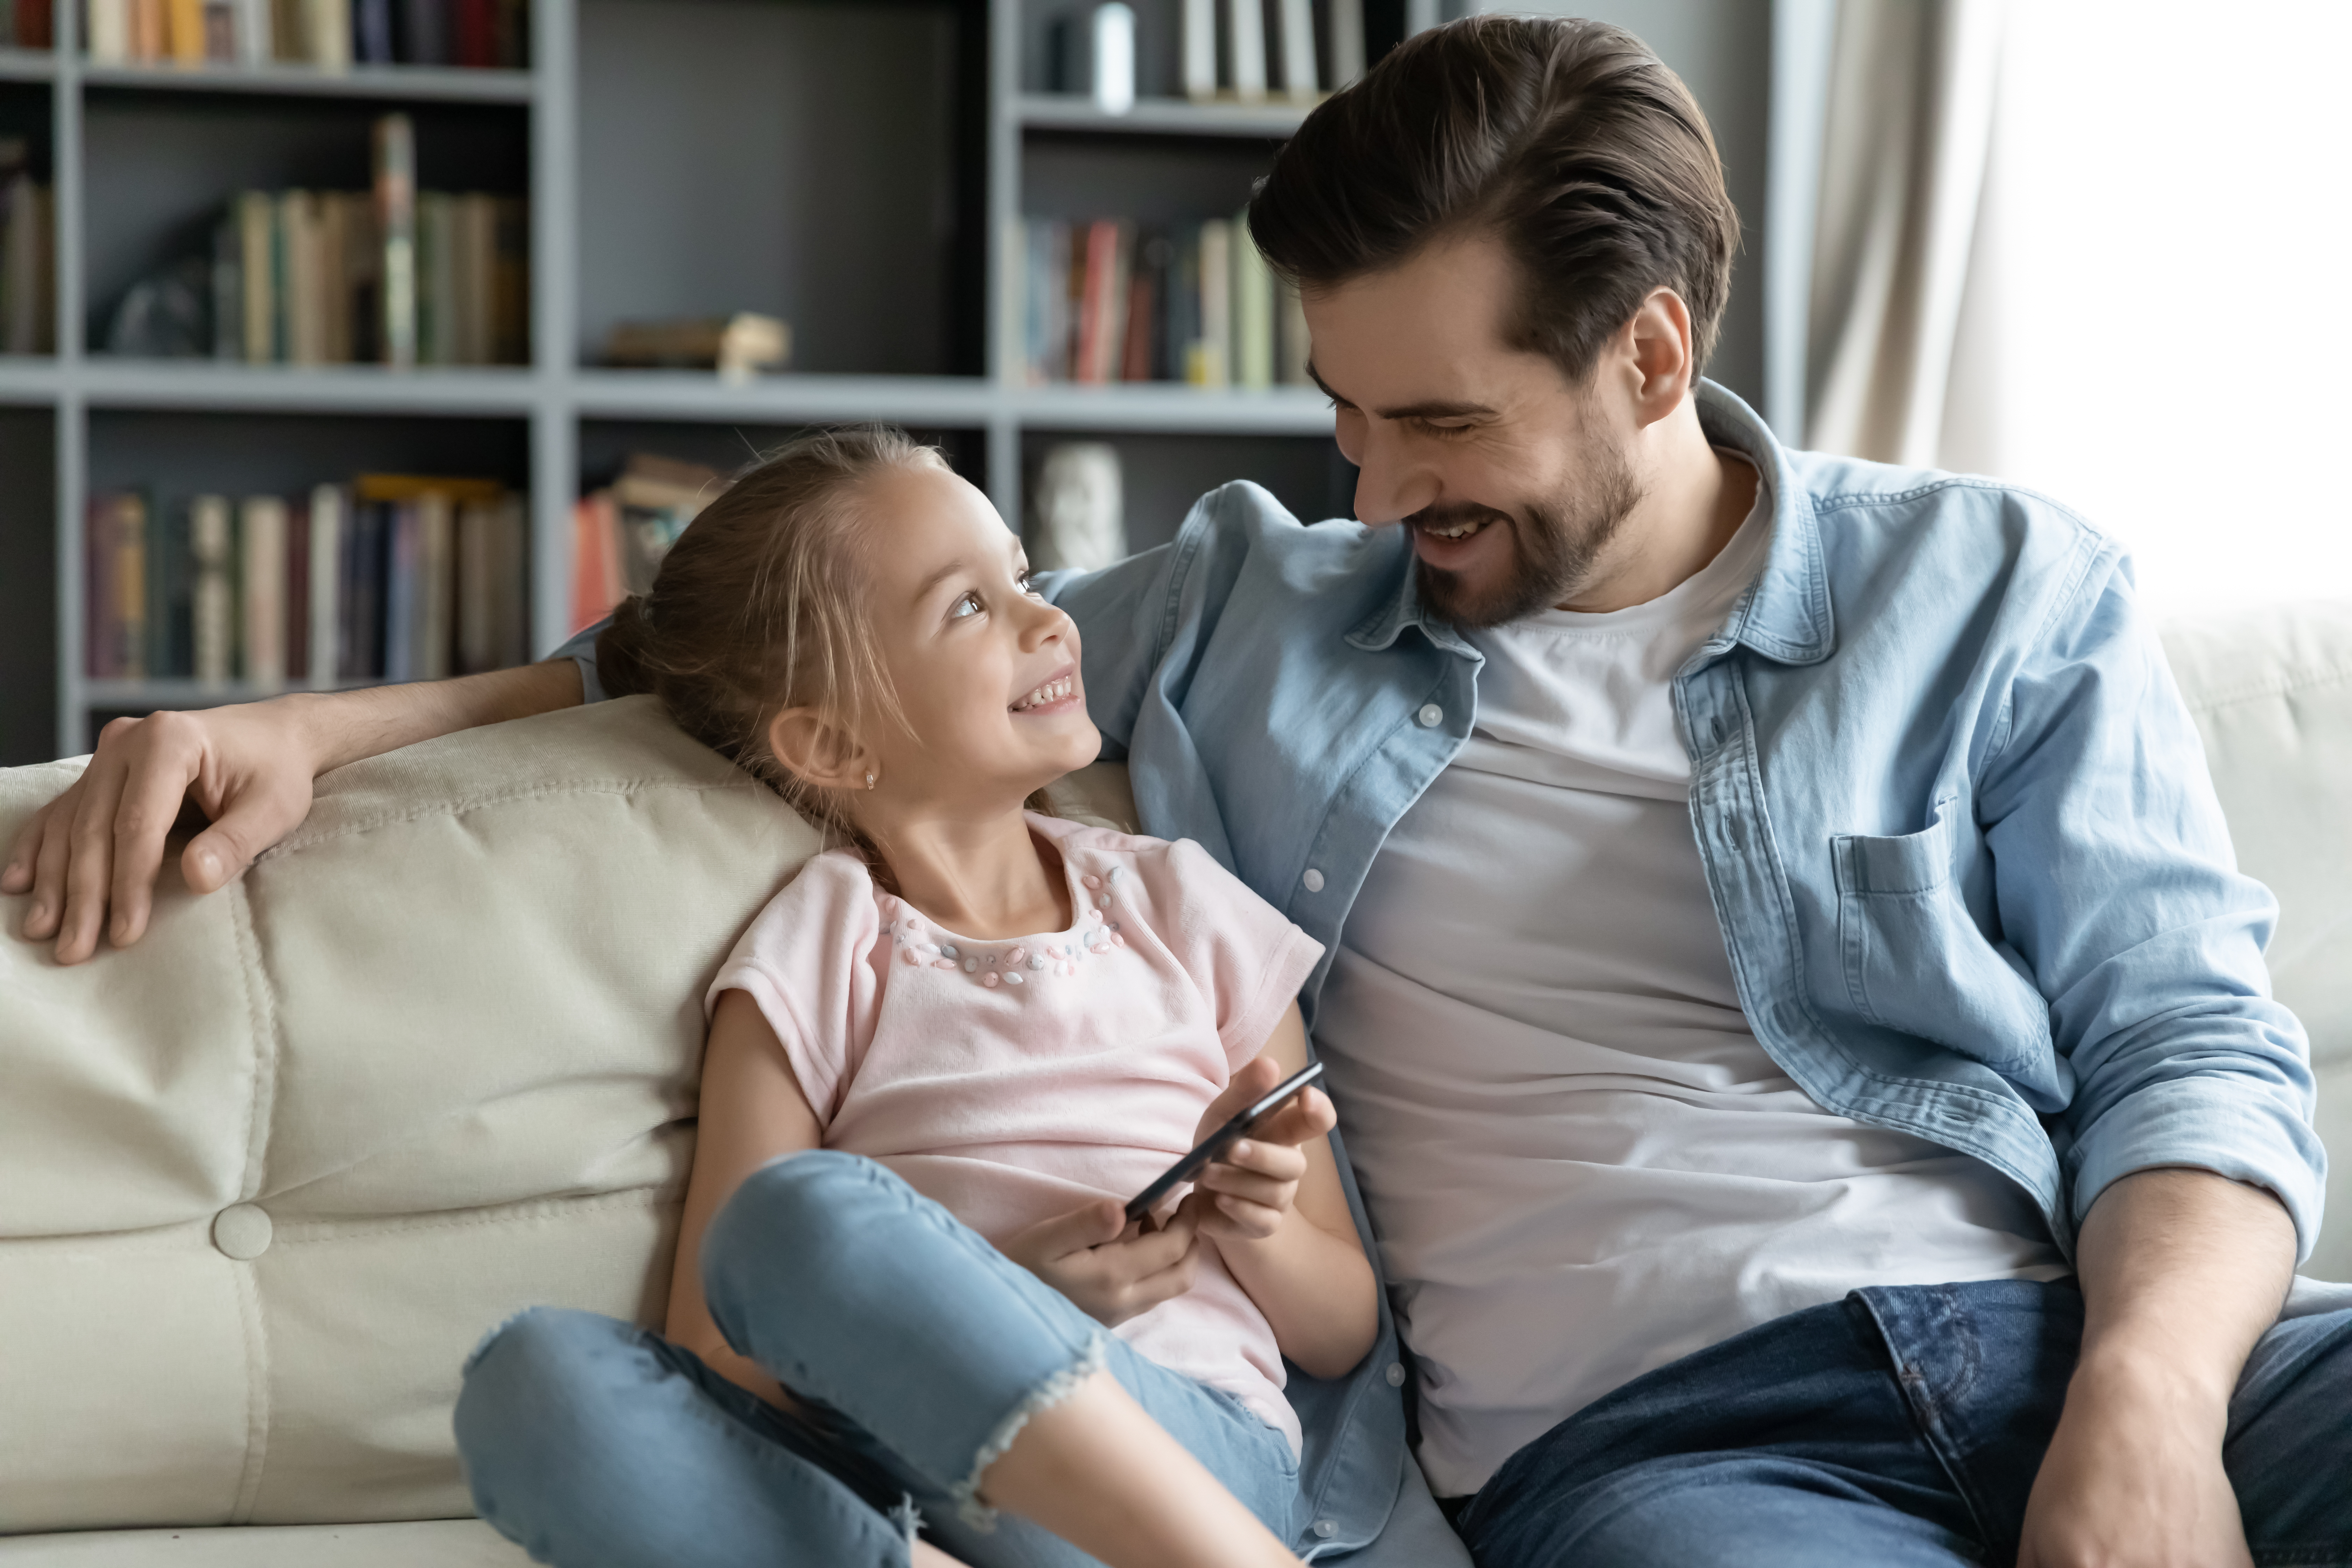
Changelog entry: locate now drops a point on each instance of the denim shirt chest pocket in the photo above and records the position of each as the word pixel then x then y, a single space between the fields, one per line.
pixel 1917 961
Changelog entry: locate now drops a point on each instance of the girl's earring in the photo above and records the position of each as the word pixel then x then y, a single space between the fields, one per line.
pixel 869 781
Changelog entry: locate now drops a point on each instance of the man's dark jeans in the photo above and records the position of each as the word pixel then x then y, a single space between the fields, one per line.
pixel 1898 1427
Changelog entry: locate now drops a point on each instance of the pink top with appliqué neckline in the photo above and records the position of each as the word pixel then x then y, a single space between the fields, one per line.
pixel 1013 1080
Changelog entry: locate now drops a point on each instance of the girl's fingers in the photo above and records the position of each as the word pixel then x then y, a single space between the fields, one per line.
pixel 1272 1192
pixel 1308 1117
pixel 1283 1161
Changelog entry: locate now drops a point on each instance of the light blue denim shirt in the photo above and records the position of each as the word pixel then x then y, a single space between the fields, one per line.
pixel 1956 821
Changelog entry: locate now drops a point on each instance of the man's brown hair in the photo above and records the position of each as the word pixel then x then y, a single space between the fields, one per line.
pixel 1568 140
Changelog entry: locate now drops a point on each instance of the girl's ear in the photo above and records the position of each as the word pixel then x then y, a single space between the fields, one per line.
pixel 818 750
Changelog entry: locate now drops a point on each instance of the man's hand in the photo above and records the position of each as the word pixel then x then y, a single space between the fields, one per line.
pixel 2133 1477
pixel 95 851
pixel 2182 1270
pixel 1110 1269
pixel 98 847
pixel 1246 1196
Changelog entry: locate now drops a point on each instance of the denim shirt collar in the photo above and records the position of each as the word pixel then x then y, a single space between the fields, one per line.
pixel 1784 616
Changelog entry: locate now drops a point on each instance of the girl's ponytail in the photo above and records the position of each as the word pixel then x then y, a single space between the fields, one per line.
pixel 623 649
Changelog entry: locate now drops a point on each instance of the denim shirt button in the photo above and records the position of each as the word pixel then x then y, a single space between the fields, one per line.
pixel 1431 716
pixel 1326 1529
pixel 1313 880
pixel 1396 1374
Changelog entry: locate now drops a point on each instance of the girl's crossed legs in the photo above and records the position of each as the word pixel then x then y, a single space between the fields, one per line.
pixel 921 1353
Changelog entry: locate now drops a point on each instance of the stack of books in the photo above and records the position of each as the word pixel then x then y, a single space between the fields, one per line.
pixel 28 25
pixel 1111 301
pixel 1248 50
pixel 390 577
pixel 621 531
pixel 328 34
pixel 28 315
pixel 395 276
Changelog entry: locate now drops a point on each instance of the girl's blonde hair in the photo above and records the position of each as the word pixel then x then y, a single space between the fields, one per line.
pixel 762 605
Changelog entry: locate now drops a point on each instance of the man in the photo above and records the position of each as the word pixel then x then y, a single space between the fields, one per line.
pixel 1802 1037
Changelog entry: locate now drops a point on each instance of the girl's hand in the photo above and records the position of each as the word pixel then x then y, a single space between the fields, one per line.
pixel 1246 1196
pixel 1110 1269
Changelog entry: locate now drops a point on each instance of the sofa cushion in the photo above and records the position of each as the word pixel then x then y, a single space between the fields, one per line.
pixel 422 1543
pixel 267 1176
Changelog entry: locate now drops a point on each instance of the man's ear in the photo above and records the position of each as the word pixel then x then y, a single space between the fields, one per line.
pixel 818 750
pixel 1658 355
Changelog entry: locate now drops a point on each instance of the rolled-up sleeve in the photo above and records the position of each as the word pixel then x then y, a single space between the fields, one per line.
pixel 2117 882
pixel 580 649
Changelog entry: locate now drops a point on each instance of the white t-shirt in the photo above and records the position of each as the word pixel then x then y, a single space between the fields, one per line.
pixel 1580 1163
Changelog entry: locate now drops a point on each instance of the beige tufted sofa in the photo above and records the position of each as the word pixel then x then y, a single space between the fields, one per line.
pixel 265 1178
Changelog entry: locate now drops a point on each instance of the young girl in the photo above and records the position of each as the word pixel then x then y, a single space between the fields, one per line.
pixel 975 1030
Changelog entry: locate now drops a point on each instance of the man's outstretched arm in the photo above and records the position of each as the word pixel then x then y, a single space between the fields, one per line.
pixel 2181 1272
pixel 91 856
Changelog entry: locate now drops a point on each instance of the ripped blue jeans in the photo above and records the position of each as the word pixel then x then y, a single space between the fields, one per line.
pixel 917 1349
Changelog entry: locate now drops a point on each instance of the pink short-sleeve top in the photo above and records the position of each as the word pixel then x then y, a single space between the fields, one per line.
pixel 1014 1079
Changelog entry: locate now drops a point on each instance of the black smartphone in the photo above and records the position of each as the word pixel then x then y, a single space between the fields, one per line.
pixel 1205 1153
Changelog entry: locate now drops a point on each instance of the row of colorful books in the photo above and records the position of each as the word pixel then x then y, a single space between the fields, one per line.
pixel 28 316
pixel 28 25
pixel 300 277
pixel 330 34
pixel 1112 301
pixel 390 577
pixel 620 532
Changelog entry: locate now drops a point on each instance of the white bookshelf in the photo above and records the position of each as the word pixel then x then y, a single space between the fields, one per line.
pixel 558 397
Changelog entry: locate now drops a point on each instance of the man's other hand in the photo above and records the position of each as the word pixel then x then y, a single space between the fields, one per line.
pixel 91 856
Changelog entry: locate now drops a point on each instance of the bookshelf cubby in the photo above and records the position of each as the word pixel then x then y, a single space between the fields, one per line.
pixel 846 167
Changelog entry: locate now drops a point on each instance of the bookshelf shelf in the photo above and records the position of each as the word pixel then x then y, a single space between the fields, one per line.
pixel 337 389
pixel 388 83
pixel 136 694
pixel 851 168
pixel 1160 117
pixel 29 65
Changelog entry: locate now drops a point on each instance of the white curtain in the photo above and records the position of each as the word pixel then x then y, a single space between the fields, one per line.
pixel 2102 250
pixel 1909 120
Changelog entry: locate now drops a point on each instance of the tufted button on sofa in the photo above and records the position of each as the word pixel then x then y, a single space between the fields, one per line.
pixel 265 1177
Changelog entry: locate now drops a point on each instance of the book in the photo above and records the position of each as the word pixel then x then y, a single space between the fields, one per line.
pixel 371 32
pixel 327 34
pixel 295 599
pixel 1199 24
pixel 1206 362
pixel 492 587
pixel 323 584
pixel 596 581
pixel 435 600
pixel 1143 356
pixel 1346 19
pixel 26 291
pixel 183 30
pixel 114 596
pixel 302 296
pixel 228 287
pixel 255 46
pixel 360 611
pixel 1251 357
pixel 257 225
pixel 261 582
pixel 212 594
pixel 396 217
pixel 425 32
pixel 1102 303
pixel 1246 49
pixel 149 38
pixel 1296 33
pixel 108 22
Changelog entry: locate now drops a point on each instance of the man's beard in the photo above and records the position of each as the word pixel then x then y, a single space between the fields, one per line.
pixel 1555 544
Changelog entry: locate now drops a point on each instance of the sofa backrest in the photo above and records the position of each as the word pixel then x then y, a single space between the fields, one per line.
pixel 267 1176
pixel 2272 692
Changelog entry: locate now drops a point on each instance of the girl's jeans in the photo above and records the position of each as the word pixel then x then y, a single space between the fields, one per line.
pixel 917 1349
